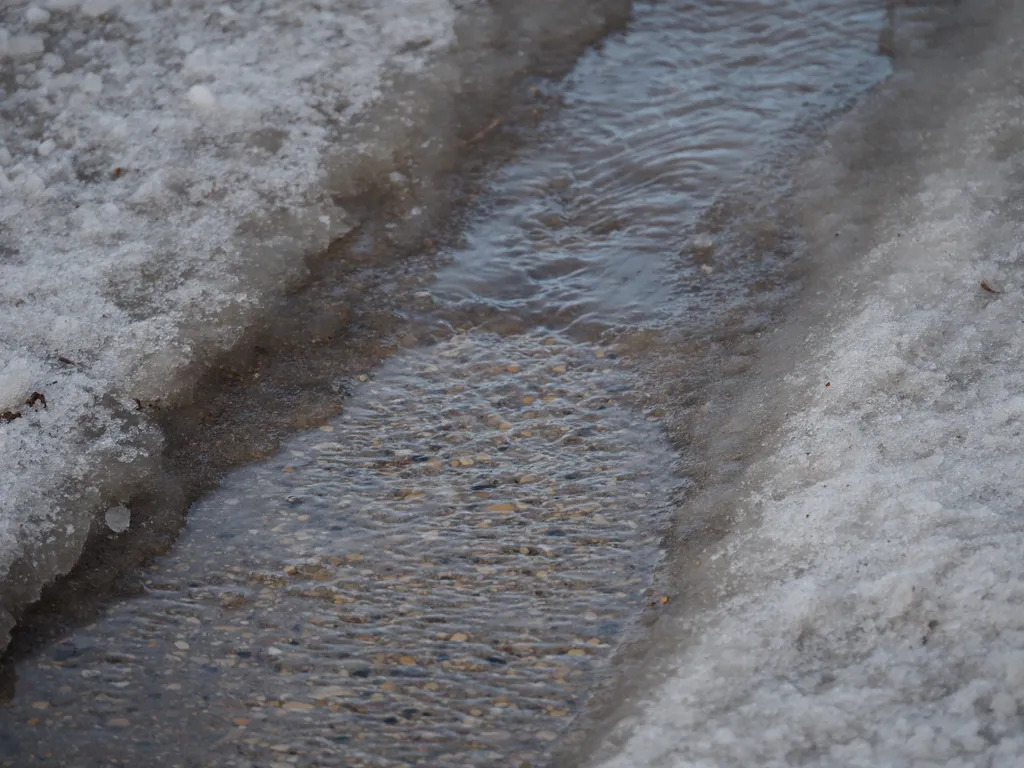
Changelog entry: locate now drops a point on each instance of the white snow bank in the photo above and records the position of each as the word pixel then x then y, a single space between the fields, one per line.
pixel 869 608
pixel 164 168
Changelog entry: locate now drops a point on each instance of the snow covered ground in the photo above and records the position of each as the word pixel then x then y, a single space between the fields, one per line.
pixel 164 169
pixel 868 609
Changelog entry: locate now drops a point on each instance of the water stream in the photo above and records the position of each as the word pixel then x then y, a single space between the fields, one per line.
pixel 442 574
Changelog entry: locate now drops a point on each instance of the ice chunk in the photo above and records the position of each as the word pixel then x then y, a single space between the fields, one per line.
pixel 32 185
pixel 20 46
pixel 202 97
pixel 97 8
pixel 118 519
pixel 18 379
pixel 92 83
pixel 36 15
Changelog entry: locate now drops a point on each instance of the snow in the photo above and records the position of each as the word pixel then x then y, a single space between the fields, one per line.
pixel 164 169
pixel 124 185
pixel 866 608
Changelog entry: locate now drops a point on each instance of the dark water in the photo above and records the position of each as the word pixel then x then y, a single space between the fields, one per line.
pixel 443 574
pixel 595 226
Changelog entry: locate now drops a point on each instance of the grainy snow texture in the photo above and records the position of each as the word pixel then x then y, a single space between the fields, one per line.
pixel 870 609
pixel 139 143
pixel 164 169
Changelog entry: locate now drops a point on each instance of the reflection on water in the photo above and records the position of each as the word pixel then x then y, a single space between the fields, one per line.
pixel 441 575
pixel 657 126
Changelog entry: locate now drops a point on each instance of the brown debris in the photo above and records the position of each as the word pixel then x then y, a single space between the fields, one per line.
pixel 986 287
pixel 36 397
pixel 483 133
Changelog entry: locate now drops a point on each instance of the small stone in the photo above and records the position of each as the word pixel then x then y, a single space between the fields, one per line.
pixel 577 652
pixel 330 692
pixel 407 661
pixel 558 368
pixel 297 706
pixel 241 722
pixel 505 507
pixel 118 722
pixel 512 368
pixel 459 637
pixel 40 705
pixel 181 645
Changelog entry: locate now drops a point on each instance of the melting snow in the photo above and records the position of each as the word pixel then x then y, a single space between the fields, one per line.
pixel 164 169
pixel 868 609
pixel 143 146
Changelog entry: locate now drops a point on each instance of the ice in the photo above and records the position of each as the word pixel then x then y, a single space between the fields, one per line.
pixel 166 167
pixel 19 46
pixel 201 97
pixel 866 608
pixel 36 15
pixel 118 519
pixel 17 381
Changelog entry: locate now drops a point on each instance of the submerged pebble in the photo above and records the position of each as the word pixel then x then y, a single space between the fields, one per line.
pixel 439 579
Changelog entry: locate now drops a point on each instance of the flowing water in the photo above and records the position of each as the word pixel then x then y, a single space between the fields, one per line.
pixel 443 574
